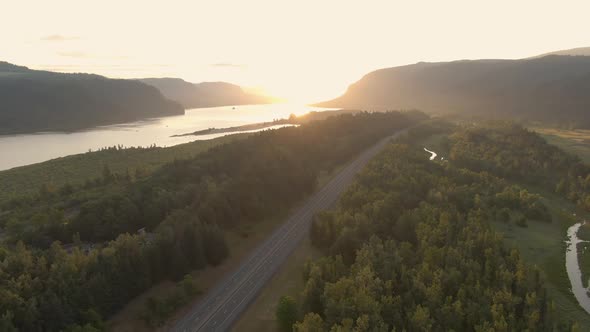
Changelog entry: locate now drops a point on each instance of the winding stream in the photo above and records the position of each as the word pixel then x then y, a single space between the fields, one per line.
pixel 581 293
pixel 432 154
pixel 573 268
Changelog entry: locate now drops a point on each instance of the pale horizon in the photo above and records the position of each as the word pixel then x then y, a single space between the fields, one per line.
pixel 305 51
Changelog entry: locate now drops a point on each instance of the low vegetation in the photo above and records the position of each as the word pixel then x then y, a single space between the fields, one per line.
pixel 78 169
pixel 157 310
pixel 574 141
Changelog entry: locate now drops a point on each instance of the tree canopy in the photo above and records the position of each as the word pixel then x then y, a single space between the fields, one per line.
pixel 182 210
pixel 411 248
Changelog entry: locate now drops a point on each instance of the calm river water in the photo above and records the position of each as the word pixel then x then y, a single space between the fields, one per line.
pixel 19 150
pixel 573 268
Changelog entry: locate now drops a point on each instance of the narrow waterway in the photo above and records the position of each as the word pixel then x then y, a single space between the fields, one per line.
pixel 573 267
pixel 432 154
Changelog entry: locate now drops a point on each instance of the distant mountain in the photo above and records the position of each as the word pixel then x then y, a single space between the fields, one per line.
pixel 206 94
pixel 552 89
pixel 580 51
pixel 32 100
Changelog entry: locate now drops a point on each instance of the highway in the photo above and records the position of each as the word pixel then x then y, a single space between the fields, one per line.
pixel 223 304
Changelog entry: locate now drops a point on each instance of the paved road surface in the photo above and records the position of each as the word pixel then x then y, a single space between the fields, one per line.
pixel 222 306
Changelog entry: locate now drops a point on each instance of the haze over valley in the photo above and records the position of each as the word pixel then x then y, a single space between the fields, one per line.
pixel 550 89
pixel 206 94
pixel 294 166
pixel 33 100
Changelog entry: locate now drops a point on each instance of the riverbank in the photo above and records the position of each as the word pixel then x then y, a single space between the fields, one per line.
pixel 543 244
pixel 572 263
pixel 243 129
pixel 79 168
pixel 292 120
pixel 584 253
pixel 540 243
pixel 21 150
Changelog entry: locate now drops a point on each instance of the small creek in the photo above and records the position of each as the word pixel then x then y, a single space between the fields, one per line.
pixel 432 154
pixel 573 268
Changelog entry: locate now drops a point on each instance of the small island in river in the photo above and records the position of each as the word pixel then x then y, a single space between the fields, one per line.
pixel 248 127
pixel 293 120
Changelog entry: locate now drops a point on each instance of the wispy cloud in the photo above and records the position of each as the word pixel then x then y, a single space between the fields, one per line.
pixel 98 68
pixel 73 54
pixel 77 54
pixel 228 65
pixel 58 38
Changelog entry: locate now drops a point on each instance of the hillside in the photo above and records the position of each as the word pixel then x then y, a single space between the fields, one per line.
pixel 578 51
pixel 549 89
pixel 32 101
pixel 206 94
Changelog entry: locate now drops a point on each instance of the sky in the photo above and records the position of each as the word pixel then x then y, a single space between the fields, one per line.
pixel 302 50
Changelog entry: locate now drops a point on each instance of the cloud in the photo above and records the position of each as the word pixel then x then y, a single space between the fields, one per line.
pixel 76 54
pixel 73 54
pixel 59 38
pixel 100 68
pixel 228 65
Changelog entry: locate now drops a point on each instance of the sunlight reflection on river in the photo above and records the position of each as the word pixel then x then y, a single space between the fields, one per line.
pixel 19 150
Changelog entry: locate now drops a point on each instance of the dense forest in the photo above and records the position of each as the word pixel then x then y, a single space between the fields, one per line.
pixel 79 169
pixel 411 246
pixel 551 89
pixel 513 152
pixel 74 255
pixel 32 100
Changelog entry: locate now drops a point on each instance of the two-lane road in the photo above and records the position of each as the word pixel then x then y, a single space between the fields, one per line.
pixel 222 306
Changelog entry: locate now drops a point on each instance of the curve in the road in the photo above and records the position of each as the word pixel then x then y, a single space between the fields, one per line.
pixel 223 304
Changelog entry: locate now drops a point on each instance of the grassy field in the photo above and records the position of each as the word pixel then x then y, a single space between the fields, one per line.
pixel 76 169
pixel 576 142
pixel 584 253
pixel 543 244
pixel 573 141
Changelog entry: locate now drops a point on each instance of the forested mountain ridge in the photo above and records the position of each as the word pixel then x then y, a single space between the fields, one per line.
pixel 552 89
pixel 205 94
pixel 33 100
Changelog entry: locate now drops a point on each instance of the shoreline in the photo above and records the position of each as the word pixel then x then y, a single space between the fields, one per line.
pixel 247 127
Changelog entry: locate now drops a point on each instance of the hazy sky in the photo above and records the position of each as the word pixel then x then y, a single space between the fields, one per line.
pixel 304 50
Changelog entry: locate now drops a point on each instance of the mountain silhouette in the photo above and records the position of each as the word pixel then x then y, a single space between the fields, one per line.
pixel 32 101
pixel 552 88
pixel 206 94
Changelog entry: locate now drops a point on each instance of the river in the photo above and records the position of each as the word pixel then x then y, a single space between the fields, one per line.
pixel 432 153
pixel 573 268
pixel 19 150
